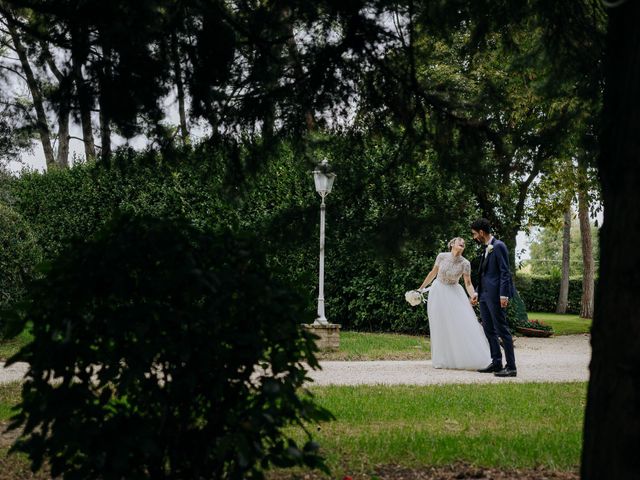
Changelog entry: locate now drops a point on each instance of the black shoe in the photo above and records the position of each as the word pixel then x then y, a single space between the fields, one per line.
pixel 491 368
pixel 507 372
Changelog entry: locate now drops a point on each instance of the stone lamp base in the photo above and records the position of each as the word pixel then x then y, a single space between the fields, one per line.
pixel 329 335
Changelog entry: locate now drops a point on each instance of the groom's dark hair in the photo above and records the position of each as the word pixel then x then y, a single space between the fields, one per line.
pixel 481 224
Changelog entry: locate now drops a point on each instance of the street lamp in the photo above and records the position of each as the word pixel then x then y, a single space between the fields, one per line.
pixel 324 181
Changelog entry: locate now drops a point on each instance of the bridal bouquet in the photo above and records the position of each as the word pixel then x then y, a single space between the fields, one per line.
pixel 414 297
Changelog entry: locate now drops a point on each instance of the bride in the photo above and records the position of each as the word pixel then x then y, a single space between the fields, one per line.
pixel 457 339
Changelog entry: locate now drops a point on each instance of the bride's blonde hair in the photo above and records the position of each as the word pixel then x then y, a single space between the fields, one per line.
pixel 453 241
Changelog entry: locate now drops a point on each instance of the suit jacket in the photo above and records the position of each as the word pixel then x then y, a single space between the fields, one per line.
pixel 494 279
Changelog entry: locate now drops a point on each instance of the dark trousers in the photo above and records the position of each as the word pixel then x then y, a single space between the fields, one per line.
pixel 494 322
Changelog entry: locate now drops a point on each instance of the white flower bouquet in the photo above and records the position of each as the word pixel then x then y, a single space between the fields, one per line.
pixel 415 297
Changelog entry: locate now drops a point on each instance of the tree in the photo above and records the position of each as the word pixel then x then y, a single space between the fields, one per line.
pixel 480 100
pixel 566 182
pixel 563 296
pixel 31 70
pixel 42 123
pixel 588 272
pixel 246 67
pixel 612 413
pixel 547 246
pixel 12 141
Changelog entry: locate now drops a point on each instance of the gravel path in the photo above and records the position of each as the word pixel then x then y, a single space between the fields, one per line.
pixel 12 373
pixel 556 359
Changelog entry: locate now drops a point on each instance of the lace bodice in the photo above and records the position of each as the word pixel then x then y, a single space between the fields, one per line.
pixel 451 268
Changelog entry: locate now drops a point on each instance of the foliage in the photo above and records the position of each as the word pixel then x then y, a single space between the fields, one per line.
pixel 12 141
pixel 385 222
pixel 537 325
pixel 516 311
pixel 77 202
pixel 19 256
pixel 485 100
pixel 153 357
pixel 245 66
pixel 540 293
pixel 546 251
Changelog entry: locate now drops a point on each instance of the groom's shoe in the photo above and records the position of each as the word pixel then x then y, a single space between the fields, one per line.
pixel 507 372
pixel 492 368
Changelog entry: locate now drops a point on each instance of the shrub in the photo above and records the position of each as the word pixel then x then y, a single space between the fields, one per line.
pixel 537 325
pixel 163 352
pixel 19 255
pixel 516 312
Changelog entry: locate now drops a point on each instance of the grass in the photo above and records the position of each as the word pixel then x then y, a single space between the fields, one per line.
pixel 563 324
pixel 9 396
pixel 9 347
pixel 505 426
pixel 15 466
pixel 379 346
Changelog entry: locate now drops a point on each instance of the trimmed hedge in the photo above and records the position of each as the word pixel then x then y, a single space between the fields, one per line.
pixel 384 226
pixel 540 293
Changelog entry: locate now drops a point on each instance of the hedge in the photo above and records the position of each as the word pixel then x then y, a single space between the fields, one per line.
pixel 540 293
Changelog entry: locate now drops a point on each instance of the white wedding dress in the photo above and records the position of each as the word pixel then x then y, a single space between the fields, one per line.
pixel 457 339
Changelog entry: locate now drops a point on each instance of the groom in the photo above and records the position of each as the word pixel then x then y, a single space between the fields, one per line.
pixel 495 287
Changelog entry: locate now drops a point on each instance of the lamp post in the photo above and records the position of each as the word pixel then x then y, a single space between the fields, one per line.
pixel 324 181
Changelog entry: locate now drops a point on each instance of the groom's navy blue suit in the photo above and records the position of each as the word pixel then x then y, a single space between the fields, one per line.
pixel 494 281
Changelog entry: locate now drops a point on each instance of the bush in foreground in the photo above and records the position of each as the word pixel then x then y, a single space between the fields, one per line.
pixel 19 255
pixel 143 363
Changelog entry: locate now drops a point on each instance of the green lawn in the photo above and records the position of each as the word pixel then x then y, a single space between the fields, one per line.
pixel 379 346
pixel 506 426
pixel 9 347
pixel 563 324
pixel 9 396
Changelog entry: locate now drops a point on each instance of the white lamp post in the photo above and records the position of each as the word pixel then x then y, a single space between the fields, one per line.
pixel 324 182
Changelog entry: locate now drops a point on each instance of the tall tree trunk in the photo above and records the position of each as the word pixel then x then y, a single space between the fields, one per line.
pixel 42 123
pixel 509 238
pixel 612 418
pixel 177 70
pixel 105 128
pixel 588 271
pixel 64 107
pixel 563 296
pixel 104 99
pixel 64 112
pixel 79 49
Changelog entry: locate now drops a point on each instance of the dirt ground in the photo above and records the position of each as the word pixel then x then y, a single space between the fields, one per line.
pixel 458 471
